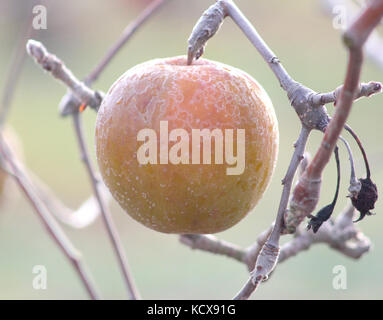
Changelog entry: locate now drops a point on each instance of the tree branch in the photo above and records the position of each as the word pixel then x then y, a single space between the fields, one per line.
pixel 364 90
pixel 213 245
pixel 341 235
pixel 310 109
pixel 58 70
pixel 306 193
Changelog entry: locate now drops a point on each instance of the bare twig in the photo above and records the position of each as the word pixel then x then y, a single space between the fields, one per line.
pixel 246 291
pixel 49 222
pixel 213 245
pixel 341 235
pixel 356 138
pixel 107 218
pixel 70 103
pixel 125 37
pixel 57 68
pixel 355 184
pixel 364 90
pixel 252 252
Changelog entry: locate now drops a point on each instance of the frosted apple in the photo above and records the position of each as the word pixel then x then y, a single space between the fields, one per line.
pixel 151 124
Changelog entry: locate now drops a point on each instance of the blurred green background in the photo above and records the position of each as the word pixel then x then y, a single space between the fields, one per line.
pixel 80 32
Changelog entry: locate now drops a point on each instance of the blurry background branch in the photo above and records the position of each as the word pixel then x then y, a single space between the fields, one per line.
pixel 75 101
pixel 13 166
pixel 128 32
pixel 54 229
pixel 80 95
pixel 82 217
pixel 15 69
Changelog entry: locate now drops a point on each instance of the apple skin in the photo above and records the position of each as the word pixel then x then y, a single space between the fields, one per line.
pixel 185 198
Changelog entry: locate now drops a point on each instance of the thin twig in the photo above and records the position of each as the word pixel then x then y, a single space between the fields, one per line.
pixel 70 103
pixel 53 228
pixel 107 218
pixel 264 265
pixel 286 82
pixel 355 184
pixel 359 143
pixel 247 290
pixel 287 181
pixel 341 235
pixel 125 37
pixel 364 90
pixel 211 244
pixel 58 70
